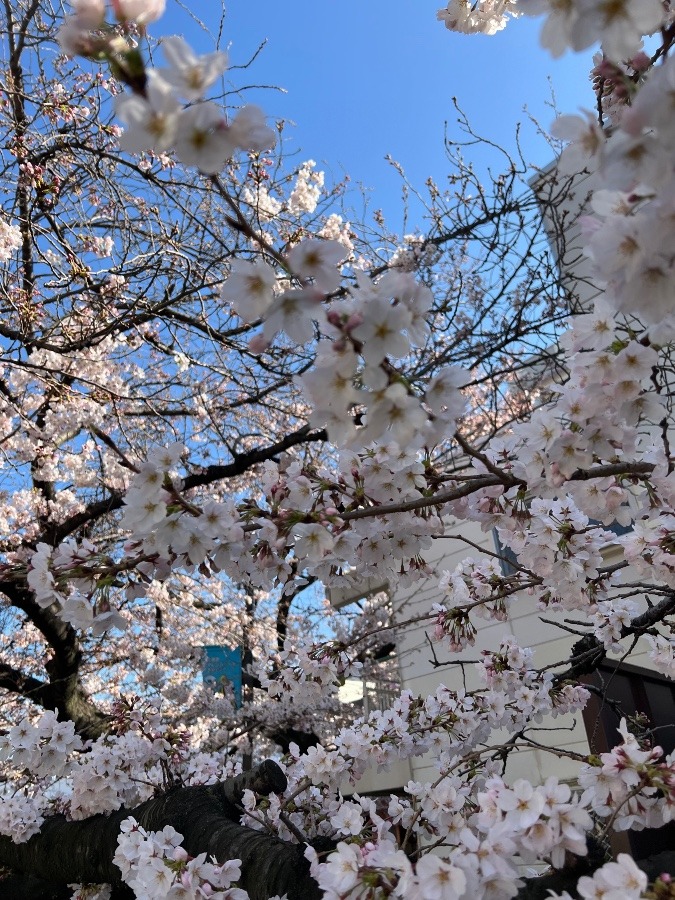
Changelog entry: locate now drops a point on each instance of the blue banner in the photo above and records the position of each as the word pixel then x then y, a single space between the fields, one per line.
pixel 221 665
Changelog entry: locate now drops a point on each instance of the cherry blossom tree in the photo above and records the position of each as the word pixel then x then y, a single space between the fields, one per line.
pixel 219 393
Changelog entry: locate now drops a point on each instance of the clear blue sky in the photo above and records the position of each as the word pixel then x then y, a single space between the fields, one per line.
pixel 366 79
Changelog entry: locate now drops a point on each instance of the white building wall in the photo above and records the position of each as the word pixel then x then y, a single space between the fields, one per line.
pixel 563 201
pixel 419 675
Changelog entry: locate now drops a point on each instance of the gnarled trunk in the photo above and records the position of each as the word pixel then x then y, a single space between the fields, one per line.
pixel 207 817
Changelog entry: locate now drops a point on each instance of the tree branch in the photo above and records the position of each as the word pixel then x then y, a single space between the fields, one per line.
pixel 64 693
pixel 206 816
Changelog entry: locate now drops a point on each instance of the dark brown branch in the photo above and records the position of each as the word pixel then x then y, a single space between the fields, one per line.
pixel 18 682
pixel 64 693
pixel 209 475
pixel 589 652
pixel 206 816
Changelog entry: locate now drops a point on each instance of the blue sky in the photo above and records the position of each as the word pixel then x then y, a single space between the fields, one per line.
pixel 366 79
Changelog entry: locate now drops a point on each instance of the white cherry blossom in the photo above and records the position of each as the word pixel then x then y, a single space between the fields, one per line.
pixel 188 73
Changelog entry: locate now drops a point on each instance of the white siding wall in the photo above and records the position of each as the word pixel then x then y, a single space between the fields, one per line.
pixel 419 675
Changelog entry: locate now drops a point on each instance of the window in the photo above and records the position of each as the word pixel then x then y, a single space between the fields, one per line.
pixel 630 691
pixel 509 559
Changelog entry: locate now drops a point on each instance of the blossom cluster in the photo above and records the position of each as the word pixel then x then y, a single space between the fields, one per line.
pixel 74 603
pixel 380 322
pixel 579 25
pixel 357 871
pixel 156 867
pixel 10 240
pixel 155 115
pixel 620 880
pixel 43 750
pixel 101 775
pixel 628 235
pixel 633 782
pixel 487 17
pixel 252 543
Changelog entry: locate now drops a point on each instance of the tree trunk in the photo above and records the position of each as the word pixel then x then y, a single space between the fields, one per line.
pixel 207 817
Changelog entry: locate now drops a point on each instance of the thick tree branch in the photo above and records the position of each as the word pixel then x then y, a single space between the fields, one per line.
pixel 589 652
pixel 209 475
pixel 206 816
pixel 64 693
pixel 18 682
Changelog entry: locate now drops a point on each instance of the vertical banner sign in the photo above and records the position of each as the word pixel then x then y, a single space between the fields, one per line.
pixel 220 665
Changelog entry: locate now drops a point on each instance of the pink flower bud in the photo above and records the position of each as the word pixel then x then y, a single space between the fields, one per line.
pixel 640 62
pixel 557 478
pixel 353 321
